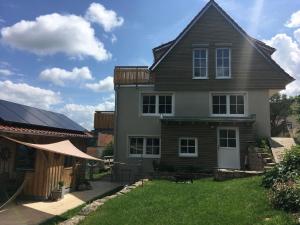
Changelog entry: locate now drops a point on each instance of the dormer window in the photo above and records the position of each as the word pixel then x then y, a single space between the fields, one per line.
pixel 200 59
pixel 223 63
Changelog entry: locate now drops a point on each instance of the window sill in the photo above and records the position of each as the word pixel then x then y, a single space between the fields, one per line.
pixel 156 115
pixel 200 78
pixel 228 115
pixel 188 155
pixel 223 78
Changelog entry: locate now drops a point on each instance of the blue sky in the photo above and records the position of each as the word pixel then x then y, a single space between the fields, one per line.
pixel 62 56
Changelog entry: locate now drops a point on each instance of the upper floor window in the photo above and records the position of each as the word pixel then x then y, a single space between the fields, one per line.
pixel 144 146
pixel 200 59
pixel 149 104
pixel 156 104
pixel 228 104
pixel 223 63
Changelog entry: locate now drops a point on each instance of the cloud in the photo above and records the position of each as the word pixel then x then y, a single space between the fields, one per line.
pixel 58 76
pixel 288 57
pixel 25 94
pixel 6 72
pixel 108 19
pixel 294 21
pixel 107 84
pixel 113 38
pixel 56 33
pixel 84 114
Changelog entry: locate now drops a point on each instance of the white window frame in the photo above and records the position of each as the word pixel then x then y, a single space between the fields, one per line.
pixel 157 103
pixel 143 155
pixel 188 154
pixel 228 94
pixel 200 78
pixel 223 77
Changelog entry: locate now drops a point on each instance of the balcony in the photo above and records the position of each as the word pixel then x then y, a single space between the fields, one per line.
pixel 132 75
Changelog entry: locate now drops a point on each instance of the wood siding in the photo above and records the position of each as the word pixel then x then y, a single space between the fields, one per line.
pixel 207 143
pixel 250 70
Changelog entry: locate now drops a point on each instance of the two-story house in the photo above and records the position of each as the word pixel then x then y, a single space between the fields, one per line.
pixel 204 100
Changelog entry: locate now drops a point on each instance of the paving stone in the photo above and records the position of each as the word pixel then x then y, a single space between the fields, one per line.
pixel 90 208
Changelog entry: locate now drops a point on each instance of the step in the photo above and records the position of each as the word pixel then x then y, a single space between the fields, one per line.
pixel 266 168
pixel 268 160
pixel 266 155
pixel 271 164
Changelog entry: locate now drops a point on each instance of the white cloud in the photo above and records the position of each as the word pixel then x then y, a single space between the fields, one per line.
pixel 108 19
pixel 294 21
pixel 113 38
pixel 56 33
pixel 58 76
pixel 84 114
pixel 28 95
pixel 6 72
pixel 288 57
pixel 107 84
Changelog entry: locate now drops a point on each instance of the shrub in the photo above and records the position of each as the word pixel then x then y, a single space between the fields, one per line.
pixel 287 170
pixel 263 143
pixel 109 150
pixel 286 196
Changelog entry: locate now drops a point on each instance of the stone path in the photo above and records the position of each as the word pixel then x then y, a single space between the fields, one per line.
pixel 279 145
pixel 37 212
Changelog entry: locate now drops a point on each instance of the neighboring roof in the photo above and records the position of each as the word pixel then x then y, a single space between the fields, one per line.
pixel 210 119
pixel 12 129
pixel 258 45
pixel 13 113
pixel 62 147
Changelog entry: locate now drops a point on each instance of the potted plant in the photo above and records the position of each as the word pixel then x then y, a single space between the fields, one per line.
pixel 59 192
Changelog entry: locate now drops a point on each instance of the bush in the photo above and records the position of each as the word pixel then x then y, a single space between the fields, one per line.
pixel 109 150
pixel 287 170
pixel 286 196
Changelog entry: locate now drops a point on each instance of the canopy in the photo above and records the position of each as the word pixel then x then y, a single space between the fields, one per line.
pixel 62 147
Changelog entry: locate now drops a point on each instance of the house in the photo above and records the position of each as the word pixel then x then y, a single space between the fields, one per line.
pixel 39 149
pixel 203 101
pixel 103 132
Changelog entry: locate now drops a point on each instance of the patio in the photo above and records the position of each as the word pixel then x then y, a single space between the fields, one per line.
pixel 30 213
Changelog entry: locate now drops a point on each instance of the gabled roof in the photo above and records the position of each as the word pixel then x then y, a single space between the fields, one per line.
pixel 261 47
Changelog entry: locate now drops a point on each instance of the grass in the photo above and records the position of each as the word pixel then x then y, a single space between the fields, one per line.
pixel 73 212
pixel 235 202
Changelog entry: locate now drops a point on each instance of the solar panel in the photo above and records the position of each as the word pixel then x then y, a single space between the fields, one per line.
pixel 13 112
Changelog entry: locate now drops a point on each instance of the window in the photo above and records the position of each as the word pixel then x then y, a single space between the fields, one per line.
pixel 227 138
pixel 149 104
pixel 136 145
pixel 236 104
pixel 25 158
pixel 223 61
pixel 165 104
pixel 200 63
pixel 156 104
pixel 219 104
pixel 188 147
pixel 228 104
pixel 144 147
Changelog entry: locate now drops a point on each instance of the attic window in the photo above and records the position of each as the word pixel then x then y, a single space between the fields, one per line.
pixel 200 63
pixel 223 63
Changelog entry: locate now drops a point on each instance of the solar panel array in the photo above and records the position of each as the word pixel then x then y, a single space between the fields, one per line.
pixel 17 113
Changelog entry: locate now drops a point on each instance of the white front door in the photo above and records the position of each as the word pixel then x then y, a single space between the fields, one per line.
pixel 228 147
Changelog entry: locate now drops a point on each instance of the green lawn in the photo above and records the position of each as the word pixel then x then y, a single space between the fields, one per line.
pixel 235 202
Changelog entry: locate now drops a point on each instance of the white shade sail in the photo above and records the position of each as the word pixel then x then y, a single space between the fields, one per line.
pixel 62 147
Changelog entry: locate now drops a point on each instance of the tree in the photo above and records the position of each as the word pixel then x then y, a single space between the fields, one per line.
pixel 280 109
pixel 296 107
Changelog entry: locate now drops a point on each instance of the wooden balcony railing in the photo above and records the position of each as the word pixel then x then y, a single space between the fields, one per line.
pixel 132 75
